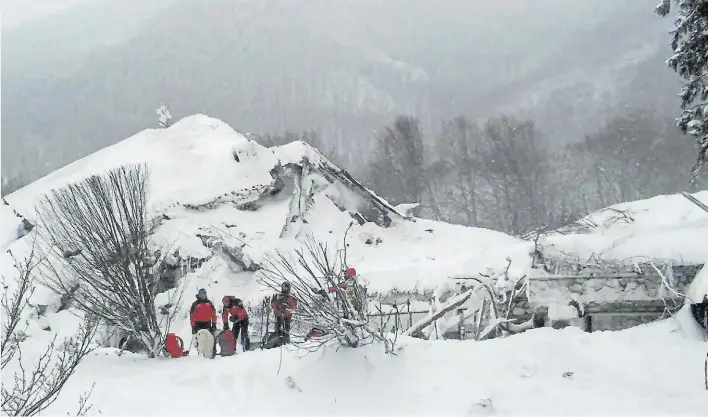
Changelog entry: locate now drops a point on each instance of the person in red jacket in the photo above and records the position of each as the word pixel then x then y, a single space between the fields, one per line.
pixel 283 306
pixel 202 314
pixel 349 275
pixel 239 317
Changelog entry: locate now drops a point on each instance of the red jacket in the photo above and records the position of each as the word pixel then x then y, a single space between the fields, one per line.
pixel 341 285
pixel 233 309
pixel 202 311
pixel 283 304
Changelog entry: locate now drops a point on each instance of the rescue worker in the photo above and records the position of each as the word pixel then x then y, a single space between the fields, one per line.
pixel 239 317
pixel 283 305
pixel 202 314
pixel 349 275
pixel 351 290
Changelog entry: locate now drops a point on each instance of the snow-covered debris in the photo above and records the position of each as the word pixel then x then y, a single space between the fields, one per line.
pixel 220 202
pixel 665 227
pixel 164 117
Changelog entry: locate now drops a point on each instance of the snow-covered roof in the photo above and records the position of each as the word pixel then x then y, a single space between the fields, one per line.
pixel 667 227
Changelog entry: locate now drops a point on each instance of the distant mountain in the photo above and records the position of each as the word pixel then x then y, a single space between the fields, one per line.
pixel 342 68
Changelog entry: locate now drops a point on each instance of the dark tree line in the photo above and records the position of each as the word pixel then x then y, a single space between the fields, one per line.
pixel 505 174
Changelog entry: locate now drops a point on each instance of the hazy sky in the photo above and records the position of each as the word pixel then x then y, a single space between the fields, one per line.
pixel 16 12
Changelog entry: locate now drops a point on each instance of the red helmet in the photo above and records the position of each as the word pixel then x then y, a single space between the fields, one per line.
pixel 226 300
pixel 350 273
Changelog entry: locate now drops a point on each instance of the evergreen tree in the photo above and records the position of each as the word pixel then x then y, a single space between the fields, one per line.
pixel 690 61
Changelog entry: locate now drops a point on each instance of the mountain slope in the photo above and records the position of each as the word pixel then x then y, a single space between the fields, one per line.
pixel 341 68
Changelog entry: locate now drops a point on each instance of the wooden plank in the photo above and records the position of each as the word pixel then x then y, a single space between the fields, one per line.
pixel 573 277
pixel 633 306
pixel 695 201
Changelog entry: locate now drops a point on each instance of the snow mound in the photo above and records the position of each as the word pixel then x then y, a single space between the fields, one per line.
pixel 542 371
pixel 192 162
pixel 665 227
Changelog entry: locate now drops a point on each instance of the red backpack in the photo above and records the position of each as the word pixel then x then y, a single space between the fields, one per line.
pixel 174 345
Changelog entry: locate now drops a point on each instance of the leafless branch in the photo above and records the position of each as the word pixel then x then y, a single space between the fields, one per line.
pixel 96 236
pixel 325 300
pixel 29 392
pixel 84 405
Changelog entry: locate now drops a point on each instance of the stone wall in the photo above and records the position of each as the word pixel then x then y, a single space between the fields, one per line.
pixel 628 286
pixel 617 300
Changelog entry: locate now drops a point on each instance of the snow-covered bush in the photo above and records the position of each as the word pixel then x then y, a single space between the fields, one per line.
pixel 325 299
pixel 95 235
pixel 28 391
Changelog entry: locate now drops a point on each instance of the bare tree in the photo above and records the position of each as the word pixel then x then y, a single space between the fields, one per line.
pixel 97 235
pixel 399 168
pixel 453 179
pixel 316 278
pixel 30 391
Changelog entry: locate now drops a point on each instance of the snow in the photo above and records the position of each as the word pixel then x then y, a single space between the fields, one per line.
pixel 9 225
pixel 665 227
pixel 189 163
pixel 192 163
pixel 649 370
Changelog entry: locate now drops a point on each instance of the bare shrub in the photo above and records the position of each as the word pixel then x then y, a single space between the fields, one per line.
pixel 28 392
pixel 97 236
pixel 316 275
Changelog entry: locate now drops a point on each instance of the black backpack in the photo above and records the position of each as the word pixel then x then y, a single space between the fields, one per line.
pixel 271 340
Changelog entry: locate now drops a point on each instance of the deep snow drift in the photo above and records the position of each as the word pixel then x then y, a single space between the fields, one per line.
pixel 648 370
pixel 203 194
pixel 665 227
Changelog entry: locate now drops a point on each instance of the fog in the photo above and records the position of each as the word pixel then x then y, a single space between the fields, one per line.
pixel 18 12
pixel 91 75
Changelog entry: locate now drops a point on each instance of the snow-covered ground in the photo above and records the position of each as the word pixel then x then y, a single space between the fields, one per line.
pixel 655 369
pixel 193 164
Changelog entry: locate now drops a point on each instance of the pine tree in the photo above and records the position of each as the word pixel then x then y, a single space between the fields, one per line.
pixel 690 62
